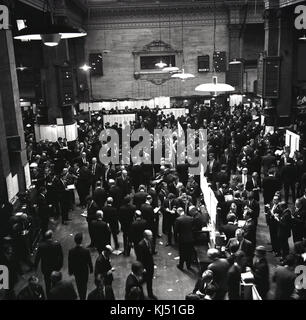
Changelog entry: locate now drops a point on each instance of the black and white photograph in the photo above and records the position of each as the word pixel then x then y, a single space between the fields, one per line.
pixel 154 151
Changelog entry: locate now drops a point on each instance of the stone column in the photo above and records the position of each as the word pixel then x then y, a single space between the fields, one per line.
pixel 285 51
pixel 11 120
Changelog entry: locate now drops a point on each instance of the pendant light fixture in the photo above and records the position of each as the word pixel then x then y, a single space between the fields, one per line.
pixel 235 61
pixel 50 33
pixel 303 37
pixel 170 69
pixel 182 75
pixel 160 64
pixel 214 87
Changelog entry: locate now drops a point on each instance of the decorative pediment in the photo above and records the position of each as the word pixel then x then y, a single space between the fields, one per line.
pixel 157 46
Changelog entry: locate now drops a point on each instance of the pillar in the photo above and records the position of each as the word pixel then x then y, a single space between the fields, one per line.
pixel 10 115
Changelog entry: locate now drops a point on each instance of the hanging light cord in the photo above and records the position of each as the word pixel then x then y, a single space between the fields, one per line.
pixel 183 39
pixel 214 36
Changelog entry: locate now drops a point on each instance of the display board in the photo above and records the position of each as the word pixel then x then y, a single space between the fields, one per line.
pixel 27 175
pixel 123 119
pixel 162 102
pixel 12 187
pixel 177 112
pixel 53 132
pixel 293 141
pixel 211 204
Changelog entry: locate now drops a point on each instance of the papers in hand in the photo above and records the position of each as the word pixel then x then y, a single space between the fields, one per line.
pixel 70 187
pixel 247 277
pixel 156 209
pixel 241 223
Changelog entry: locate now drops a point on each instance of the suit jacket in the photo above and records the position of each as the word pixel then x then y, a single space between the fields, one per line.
pixel 50 254
pixel 184 229
pixel 250 231
pixel 102 266
pixel 100 234
pixel 270 185
pixel 148 214
pixel 124 186
pixel 229 230
pixel 63 290
pixel 255 187
pixel 136 230
pixel 289 174
pixel 139 199
pixel 260 271
pixel 111 217
pixel 79 262
pixel 220 268
pixel 245 245
pixel 100 196
pixel 91 211
pixel 254 206
pixel 115 193
pixel 133 282
pixel 126 215
pixel 98 172
pixel 267 162
pixel 43 206
pixel 284 225
pixel 233 282
pixel 145 256
pixel 284 279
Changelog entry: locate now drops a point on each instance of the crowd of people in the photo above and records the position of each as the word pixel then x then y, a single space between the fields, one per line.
pixel 245 167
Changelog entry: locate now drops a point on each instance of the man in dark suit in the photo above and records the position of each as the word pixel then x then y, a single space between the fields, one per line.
pixel 284 228
pixel 137 229
pixel 249 227
pixel 96 172
pixel 100 232
pixel 230 228
pixel 108 173
pixel 115 193
pixel 134 281
pixel 284 278
pixel 43 209
pixel 254 206
pixel 260 270
pixel 145 256
pixel 61 289
pixel 148 214
pixel 270 185
pixel 50 254
pixel 140 197
pixel 234 276
pixel 126 215
pixel 289 178
pixel 110 216
pixel 92 209
pixel 103 265
pixel 213 168
pixel 268 161
pixel 183 229
pixel 219 267
pixel 169 217
pixel 254 185
pixel 243 244
pixel 80 265
pixel 99 195
pixel 124 184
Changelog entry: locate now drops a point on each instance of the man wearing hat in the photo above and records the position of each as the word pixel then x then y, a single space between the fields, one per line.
pixel 260 270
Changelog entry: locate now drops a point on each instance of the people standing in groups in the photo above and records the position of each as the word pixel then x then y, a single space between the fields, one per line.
pixel 246 167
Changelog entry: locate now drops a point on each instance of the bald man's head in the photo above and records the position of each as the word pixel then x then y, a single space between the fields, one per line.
pixel 148 234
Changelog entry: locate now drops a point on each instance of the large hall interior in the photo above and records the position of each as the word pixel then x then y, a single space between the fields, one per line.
pixel 152 150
